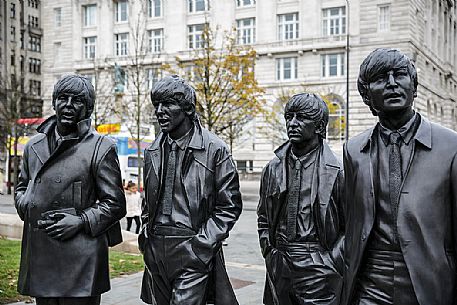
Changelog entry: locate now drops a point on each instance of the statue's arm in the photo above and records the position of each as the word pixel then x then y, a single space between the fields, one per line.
pixel 227 207
pixel 262 216
pixel 110 206
pixel 22 184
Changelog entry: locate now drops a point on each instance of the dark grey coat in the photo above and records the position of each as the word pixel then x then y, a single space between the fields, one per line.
pixel 427 211
pixel 211 185
pixel 74 176
pixel 327 200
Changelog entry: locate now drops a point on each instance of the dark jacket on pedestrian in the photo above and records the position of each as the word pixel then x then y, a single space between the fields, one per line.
pixel 82 173
pixel 427 211
pixel 210 182
pixel 327 206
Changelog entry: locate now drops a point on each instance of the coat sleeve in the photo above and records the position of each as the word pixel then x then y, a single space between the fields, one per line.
pixel 23 182
pixel 227 207
pixel 110 206
pixel 144 207
pixel 339 199
pixel 262 216
pixel 454 198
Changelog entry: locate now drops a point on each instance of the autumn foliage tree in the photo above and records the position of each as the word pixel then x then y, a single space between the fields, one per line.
pixel 228 95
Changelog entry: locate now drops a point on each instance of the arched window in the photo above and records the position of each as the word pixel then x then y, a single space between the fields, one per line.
pixel 336 126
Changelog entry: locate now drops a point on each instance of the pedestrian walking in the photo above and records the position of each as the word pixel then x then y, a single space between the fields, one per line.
pixel 133 199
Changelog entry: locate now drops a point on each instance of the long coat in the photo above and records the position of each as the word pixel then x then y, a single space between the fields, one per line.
pixel 427 211
pixel 211 185
pixel 327 205
pixel 73 176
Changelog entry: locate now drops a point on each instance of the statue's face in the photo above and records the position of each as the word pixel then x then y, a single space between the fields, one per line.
pixel 70 109
pixel 300 128
pixel 170 116
pixel 392 91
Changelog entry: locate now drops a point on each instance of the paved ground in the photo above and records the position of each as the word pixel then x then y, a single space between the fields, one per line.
pixel 244 262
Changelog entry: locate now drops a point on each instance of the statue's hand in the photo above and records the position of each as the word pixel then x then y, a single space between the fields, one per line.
pixel 66 227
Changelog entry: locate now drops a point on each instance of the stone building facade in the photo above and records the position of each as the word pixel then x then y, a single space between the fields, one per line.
pixel 300 44
pixel 21 75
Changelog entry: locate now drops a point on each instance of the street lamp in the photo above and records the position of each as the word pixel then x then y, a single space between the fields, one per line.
pixel 347 70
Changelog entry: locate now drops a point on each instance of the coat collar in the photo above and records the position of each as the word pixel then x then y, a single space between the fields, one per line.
pixel 196 142
pixel 423 134
pixel 327 163
pixel 326 157
pixel 49 124
pixel 41 147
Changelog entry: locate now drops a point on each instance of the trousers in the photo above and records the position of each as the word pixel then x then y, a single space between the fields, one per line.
pixel 178 274
pixel 384 280
pixel 95 300
pixel 304 274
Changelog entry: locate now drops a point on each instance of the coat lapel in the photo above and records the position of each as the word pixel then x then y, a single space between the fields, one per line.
pixel 41 149
pixel 369 152
pixel 328 167
pixel 156 156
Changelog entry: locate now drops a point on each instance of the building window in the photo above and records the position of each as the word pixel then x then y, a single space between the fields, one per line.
pixel 33 3
pixel 33 21
pixel 286 68
pixel 153 76
pixel 245 29
pixel 90 47
pixel 57 47
pixel 288 26
pixel 13 33
pixel 12 10
pixel 89 14
pixel 332 65
pixel 121 44
pixel 241 3
pixel 34 65
pixel 198 6
pixel 384 18
pixel 121 11
pixel 334 21
pixel 154 8
pixel 57 16
pixel 35 87
pixel 196 36
pixel 155 40
pixel 35 43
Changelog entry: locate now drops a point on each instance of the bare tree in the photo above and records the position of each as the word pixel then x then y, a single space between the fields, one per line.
pixel 135 106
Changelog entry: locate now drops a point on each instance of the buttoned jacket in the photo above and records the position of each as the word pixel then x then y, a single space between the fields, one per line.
pixel 75 176
pixel 427 210
pixel 211 185
pixel 326 198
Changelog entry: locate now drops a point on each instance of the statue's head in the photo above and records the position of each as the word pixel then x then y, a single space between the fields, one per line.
pixel 73 99
pixel 387 81
pixel 306 117
pixel 174 101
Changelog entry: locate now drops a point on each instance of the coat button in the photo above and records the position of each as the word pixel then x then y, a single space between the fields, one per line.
pixel 38 180
pixel 32 204
pixel 364 236
pixel 57 179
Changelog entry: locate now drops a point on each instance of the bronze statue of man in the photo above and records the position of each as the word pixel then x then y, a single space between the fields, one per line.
pixel 300 219
pixel 192 201
pixel 70 197
pixel 401 186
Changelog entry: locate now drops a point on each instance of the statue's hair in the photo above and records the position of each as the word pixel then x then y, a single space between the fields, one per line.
pixel 314 107
pixel 380 61
pixel 76 85
pixel 175 88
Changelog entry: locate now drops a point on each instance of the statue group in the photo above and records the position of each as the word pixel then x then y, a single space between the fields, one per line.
pixel 379 229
